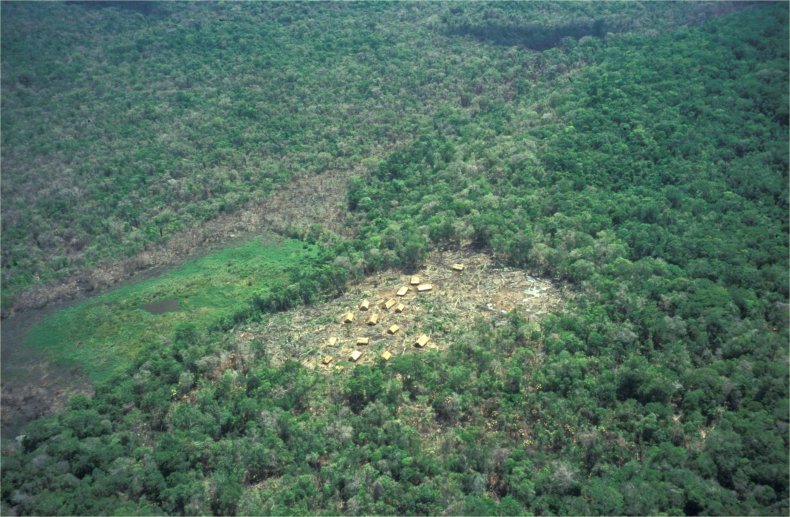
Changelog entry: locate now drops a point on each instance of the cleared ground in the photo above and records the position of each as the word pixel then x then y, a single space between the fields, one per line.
pixel 457 300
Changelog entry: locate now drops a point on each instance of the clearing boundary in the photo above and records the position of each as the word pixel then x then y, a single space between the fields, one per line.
pixel 457 300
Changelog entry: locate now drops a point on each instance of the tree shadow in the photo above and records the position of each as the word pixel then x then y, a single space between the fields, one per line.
pixel 142 7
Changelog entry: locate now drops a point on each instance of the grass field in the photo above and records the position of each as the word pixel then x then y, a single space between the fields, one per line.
pixel 106 332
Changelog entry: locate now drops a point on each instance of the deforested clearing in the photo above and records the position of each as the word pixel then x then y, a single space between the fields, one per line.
pixel 458 301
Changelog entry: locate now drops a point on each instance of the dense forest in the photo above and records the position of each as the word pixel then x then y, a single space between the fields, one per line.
pixel 637 152
pixel 125 126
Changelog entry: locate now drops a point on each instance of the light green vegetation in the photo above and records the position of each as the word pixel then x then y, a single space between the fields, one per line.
pixel 105 333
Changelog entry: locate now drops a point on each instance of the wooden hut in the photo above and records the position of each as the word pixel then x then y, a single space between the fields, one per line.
pixel 399 308
pixel 393 329
pixel 355 355
pixel 386 355
pixel 365 305
pixel 424 287
pixel 327 359
pixel 402 291
pixel 415 280
pixel 348 317
pixel 422 341
pixel 363 341
pixel 373 318
pixel 389 303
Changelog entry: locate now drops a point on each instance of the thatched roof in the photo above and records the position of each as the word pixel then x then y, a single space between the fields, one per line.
pixel 422 341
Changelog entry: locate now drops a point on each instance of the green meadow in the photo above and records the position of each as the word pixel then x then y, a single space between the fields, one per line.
pixel 104 333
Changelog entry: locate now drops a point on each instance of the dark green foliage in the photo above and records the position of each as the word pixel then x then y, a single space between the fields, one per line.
pixel 648 170
pixel 544 25
pixel 536 37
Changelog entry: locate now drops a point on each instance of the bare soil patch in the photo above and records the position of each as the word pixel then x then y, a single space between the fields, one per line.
pixel 163 306
pixel 457 300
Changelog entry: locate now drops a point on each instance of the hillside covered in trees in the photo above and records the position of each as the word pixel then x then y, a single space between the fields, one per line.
pixel 635 152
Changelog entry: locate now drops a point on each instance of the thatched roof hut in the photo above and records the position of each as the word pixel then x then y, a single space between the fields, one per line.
pixel 422 341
